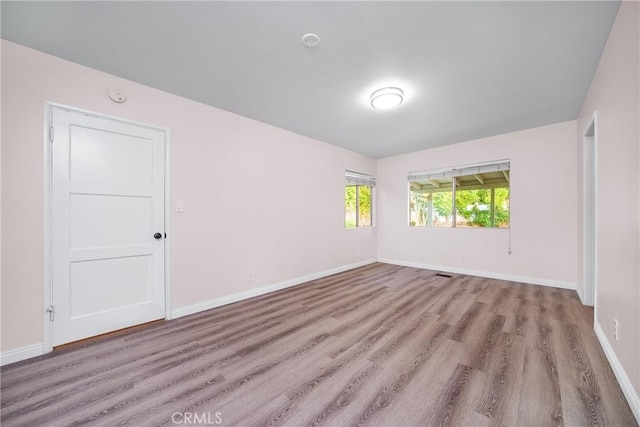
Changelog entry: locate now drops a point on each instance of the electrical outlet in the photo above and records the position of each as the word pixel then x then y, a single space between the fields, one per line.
pixel 464 258
pixel 250 277
pixel 616 329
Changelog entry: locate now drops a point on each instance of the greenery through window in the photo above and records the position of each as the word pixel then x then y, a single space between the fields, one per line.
pixel 358 195
pixel 473 196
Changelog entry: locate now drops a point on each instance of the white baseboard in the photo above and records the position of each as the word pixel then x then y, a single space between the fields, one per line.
pixel 217 302
pixel 623 379
pixel 22 353
pixel 487 274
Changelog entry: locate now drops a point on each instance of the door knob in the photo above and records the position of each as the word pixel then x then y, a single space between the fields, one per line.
pixel 157 236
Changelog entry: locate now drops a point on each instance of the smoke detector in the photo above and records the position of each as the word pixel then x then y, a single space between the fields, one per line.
pixel 310 40
pixel 117 95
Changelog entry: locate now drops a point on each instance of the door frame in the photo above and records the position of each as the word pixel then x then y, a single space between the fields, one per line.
pixel 590 142
pixel 47 159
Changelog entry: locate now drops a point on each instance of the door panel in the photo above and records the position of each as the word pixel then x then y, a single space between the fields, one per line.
pixel 100 156
pixel 109 284
pixel 100 220
pixel 107 203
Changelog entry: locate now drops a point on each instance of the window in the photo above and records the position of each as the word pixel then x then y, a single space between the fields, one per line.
pixel 470 196
pixel 358 197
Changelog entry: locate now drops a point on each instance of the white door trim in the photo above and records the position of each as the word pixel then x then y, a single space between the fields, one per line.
pixel 590 296
pixel 47 229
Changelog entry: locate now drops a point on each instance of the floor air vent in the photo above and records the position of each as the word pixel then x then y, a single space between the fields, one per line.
pixel 444 275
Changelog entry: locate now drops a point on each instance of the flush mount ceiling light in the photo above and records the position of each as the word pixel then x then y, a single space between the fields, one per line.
pixel 387 97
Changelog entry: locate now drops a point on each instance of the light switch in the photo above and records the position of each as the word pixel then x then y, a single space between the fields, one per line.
pixel 179 206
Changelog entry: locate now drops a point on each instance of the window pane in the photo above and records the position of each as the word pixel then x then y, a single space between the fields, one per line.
pixel 442 209
pixel 419 209
pixel 350 206
pixel 473 208
pixel 428 208
pixel 364 211
pixel 502 207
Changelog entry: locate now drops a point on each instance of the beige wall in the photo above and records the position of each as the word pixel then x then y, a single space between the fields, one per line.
pixel 257 198
pixel 543 209
pixel 614 94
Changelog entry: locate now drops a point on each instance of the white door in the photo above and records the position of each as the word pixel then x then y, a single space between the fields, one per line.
pixel 107 203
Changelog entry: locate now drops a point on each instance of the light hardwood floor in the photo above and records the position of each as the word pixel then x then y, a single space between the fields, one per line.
pixel 379 345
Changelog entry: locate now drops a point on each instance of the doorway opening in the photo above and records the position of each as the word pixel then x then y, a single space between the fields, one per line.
pixel 589 258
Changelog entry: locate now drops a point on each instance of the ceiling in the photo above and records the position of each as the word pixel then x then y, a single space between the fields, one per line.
pixel 468 69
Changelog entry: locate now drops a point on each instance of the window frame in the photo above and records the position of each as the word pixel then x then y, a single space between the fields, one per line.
pixel 358 180
pixel 452 174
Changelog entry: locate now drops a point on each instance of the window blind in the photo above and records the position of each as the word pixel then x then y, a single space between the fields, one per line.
pixel 355 178
pixel 502 165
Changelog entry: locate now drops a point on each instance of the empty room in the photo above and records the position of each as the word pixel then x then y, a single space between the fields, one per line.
pixel 338 213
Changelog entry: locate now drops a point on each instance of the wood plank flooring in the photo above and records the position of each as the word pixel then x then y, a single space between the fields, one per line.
pixel 380 345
